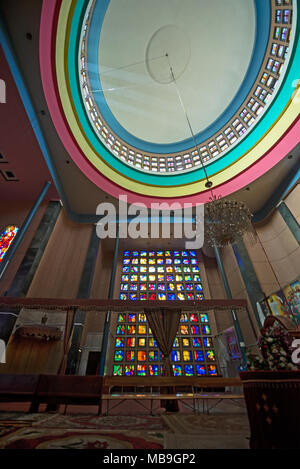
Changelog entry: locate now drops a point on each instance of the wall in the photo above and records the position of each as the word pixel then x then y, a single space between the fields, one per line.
pixel 59 272
pixel 277 253
pixel 238 291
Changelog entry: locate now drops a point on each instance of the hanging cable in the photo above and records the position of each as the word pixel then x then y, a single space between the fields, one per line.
pixel 208 183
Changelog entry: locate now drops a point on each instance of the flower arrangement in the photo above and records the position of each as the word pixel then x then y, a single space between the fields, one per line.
pixel 275 346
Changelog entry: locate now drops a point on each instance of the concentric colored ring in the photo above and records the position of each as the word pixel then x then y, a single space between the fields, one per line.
pixel 277 130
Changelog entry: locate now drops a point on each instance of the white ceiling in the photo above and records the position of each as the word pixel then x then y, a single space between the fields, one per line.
pixel 209 46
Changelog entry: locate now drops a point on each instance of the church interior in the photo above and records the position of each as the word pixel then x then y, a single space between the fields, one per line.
pixel 149 224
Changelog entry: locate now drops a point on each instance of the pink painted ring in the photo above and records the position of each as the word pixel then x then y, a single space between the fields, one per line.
pixel 48 25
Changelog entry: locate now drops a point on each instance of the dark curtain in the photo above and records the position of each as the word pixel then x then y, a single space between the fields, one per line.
pixel 164 325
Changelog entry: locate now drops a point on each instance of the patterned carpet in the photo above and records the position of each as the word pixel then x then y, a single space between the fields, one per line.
pixel 219 431
pixel 228 429
pixel 57 431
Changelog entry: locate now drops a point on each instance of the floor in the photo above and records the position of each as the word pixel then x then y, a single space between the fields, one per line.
pixel 128 426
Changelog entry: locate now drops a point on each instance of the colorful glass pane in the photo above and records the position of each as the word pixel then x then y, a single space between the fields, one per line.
pixel 181 296
pixel 187 355
pixel 184 330
pixel 142 329
pixel 206 330
pixel 152 297
pixel 120 329
pixel 195 330
pixel 185 342
pixel 129 370
pixel 131 329
pixel 119 341
pixel 176 342
pixel 152 342
pixel 212 370
pixel 118 370
pixel 142 342
pixel 184 317
pixel 153 370
pixel 196 342
pixel 207 342
pixel 130 356
pixel 133 296
pixel 199 296
pixel 141 370
pixel 177 369
pixel 121 317
pixel 199 356
pixel 119 355
pixel 171 296
pixel 200 370
pixel 203 317
pixel 188 370
pixel 210 355
pixel 153 356
pixel 142 317
pixel 193 317
pixel 143 296
pixel 131 317
pixel 130 342
pixel 141 356
pixel 162 296
pixel 175 356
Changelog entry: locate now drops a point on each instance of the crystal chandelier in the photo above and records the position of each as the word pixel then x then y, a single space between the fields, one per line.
pixel 226 221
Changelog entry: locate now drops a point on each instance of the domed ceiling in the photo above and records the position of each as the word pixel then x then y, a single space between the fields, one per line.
pixel 150 97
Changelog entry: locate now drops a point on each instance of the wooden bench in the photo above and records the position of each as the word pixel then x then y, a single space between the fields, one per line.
pixel 18 388
pixel 68 390
pixel 178 388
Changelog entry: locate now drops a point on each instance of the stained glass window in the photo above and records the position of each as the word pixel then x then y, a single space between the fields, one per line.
pixel 6 239
pixel 163 275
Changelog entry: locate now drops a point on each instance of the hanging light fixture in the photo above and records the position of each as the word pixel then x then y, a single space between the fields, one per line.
pixel 226 221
